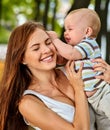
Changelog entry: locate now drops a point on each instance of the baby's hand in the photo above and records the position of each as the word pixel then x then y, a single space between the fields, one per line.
pixel 52 34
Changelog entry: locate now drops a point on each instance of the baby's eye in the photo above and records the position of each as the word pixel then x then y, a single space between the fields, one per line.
pixel 70 29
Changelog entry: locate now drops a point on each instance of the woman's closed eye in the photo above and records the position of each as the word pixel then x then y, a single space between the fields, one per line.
pixel 35 49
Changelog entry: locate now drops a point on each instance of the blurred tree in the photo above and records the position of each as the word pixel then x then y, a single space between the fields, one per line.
pixel 0 10
pixel 54 14
pixel 79 4
pixel 47 12
pixel 37 8
pixel 102 7
pixel 13 13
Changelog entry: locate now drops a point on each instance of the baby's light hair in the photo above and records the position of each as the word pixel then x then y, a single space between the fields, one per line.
pixel 90 17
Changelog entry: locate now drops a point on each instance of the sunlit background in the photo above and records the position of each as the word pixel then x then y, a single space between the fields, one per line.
pixel 51 14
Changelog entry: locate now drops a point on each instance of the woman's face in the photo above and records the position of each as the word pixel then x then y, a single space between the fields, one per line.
pixel 40 53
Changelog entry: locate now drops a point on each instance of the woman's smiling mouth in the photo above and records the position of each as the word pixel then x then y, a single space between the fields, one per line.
pixel 47 59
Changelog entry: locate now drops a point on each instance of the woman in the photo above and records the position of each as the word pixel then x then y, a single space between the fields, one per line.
pixel 33 91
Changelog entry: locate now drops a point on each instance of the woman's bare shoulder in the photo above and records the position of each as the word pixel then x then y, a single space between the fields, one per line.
pixel 27 101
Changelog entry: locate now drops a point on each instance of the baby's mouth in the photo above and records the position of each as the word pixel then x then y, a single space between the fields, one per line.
pixel 67 40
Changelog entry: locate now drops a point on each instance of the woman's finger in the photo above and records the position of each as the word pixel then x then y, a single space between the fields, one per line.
pixel 100 77
pixel 67 68
pixel 80 69
pixel 99 60
pixel 100 63
pixel 72 68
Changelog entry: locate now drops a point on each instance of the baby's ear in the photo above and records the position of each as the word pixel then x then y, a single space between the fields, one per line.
pixel 89 31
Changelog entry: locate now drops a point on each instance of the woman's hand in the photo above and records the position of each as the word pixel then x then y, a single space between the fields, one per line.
pixel 74 77
pixel 103 67
pixel 81 103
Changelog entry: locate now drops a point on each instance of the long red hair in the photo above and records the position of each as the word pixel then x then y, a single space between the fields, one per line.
pixel 16 77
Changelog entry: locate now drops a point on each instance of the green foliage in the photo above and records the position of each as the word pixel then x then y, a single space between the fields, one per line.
pixel 14 13
pixel 4 35
pixel 58 28
pixel 17 12
pixel 14 10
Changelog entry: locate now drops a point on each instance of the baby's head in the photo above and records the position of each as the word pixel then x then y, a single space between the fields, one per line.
pixel 86 20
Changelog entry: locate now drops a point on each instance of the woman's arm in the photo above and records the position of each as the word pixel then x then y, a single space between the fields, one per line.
pixel 103 67
pixel 82 119
pixel 39 115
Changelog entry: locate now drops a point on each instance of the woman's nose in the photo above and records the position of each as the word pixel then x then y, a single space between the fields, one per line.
pixel 45 49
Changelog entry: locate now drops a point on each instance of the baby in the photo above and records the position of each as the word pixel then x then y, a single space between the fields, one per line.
pixel 81 29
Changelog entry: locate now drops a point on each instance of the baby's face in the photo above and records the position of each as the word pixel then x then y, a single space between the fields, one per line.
pixel 75 29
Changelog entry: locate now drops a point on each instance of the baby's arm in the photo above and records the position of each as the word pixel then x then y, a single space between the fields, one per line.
pixel 65 50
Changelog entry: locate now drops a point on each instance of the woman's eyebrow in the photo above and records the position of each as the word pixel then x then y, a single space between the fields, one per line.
pixel 36 44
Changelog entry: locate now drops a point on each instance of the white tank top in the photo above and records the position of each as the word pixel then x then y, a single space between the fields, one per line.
pixel 64 110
